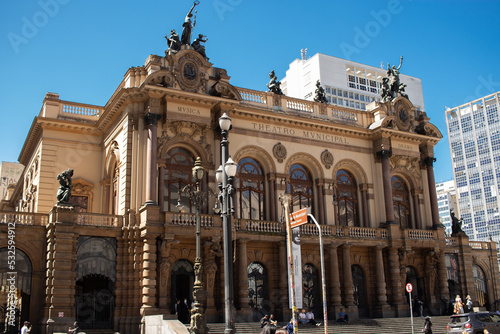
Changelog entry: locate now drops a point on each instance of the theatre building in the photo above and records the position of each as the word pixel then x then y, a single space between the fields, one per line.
pixel 121 249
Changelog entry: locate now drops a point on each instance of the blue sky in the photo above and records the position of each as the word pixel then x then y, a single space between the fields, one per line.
pixel 81 49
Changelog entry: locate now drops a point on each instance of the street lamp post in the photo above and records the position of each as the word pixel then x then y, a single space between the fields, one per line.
pixel 198 323
pixel 224 176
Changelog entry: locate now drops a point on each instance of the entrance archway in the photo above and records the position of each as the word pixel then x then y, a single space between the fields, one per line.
pixel 95 282
pixel 359 286
pixel 22 285
pixel 182 282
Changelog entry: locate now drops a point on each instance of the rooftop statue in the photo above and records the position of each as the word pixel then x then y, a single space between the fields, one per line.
pixel 198 47
pixel 391 85
pixel 274 84
pixel 320 93
pixel 456 224
pixel 65 185
pixel 187 26
pixel 173 41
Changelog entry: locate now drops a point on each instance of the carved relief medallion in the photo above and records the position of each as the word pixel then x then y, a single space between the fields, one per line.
pixel 403 116
pixel 327 159
pixel 279 152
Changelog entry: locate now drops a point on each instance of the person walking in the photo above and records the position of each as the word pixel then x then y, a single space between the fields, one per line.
pixel 427 326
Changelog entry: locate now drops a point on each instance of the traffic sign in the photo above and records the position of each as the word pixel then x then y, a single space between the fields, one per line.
pixel 409 287
pixel 298 218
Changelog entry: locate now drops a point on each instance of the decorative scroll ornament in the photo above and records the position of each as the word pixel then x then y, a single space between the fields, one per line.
pixel 279 152
pixel 327 159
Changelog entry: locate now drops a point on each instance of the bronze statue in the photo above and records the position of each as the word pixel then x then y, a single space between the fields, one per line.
pixel 320 93
pixel 173 42
pixel 274 84
pixel 197 45
pixel 65 185
pixel 456 224
pixel 187 26
pixel 391 85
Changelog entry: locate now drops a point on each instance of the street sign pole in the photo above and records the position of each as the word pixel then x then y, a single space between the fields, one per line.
pixel 285 201
pixel 409 288
pixel 325 312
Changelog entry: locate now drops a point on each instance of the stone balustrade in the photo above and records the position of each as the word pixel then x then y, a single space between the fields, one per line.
pixel 96 219
pixel 307 108
pixel 420 234
pixel 189 219
pixel 479 245
pixel 23 218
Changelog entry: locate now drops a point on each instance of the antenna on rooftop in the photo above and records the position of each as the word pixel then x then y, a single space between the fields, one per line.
pixel 303 54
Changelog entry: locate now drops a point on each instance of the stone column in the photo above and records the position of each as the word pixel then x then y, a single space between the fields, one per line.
pixel 321 201
pixel 151 174
pixel 416 205
pixel 243 274
pixel 396 287
pixel 382 309
pixel 347 271
pixel 431 183
pixel 161 189
pixel 386 179
pixel 272 196
pixel 334 282
pixel 283 282
pixel 148 279
pixel 364 204
pixel 442 274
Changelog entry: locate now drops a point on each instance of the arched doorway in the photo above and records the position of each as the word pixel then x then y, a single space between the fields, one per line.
pixel 417 294
pixel 311 289
pixel 480 293
pixel 359 290
pixel 22 285
pixel 182 282
pixel 257 289
pixel 95 282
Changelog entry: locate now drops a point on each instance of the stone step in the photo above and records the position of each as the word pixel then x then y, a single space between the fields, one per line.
pixel 373 326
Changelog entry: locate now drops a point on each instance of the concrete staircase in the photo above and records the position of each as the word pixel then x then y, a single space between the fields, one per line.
pixel 363 326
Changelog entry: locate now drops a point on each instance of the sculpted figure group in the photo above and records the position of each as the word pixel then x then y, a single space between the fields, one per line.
pixel 175 42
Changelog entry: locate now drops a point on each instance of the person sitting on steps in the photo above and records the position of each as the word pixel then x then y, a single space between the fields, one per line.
pixel 343 317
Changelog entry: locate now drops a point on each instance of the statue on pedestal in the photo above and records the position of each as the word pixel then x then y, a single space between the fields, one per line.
pixel 456 224
pixel 274 84
pixel 65 185
pixel 320 93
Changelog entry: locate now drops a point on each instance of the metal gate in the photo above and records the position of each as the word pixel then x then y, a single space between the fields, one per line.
pixel 94 310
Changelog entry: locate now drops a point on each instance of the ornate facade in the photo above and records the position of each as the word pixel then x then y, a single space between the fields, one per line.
pixel 123 250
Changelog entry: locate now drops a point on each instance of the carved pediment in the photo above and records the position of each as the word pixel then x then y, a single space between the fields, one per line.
pixel 226 90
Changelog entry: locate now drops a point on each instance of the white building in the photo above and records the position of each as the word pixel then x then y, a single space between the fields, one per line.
pixel 474 135
pixel 346 83
pixel 446 196
pixel 9 174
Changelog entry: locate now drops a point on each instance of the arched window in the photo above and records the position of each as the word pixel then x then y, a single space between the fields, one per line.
pixel 301 187
pixel 114 190
pixel 310 287
pixel 250 189
pixel 347 199
pixel 178 174
pixel 401 202
pixel 479 286
pixel 257 285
